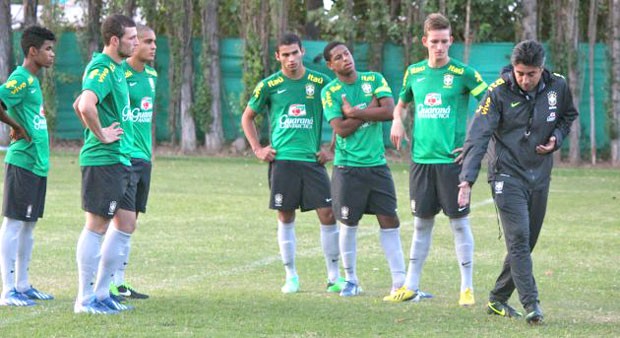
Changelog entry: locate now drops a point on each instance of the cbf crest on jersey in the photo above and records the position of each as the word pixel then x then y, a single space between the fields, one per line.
pixel 448 79
pixel 552 97
pixel 309 90
pixel 432 99
pixel 367 88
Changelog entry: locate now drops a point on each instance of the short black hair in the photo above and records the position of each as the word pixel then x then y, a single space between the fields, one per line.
pixel 328 49
pixel 35 36
pixel 289 39
pixel 528 53
pixel 114 25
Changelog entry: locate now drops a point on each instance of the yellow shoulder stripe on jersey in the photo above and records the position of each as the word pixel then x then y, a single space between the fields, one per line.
pixel 483 109
pixel 327 99
pixel 30 80
pixel 151 72
pixel 128 73
pixel 559 75
pixel 479 89
pixel 93 73
pixel 17 89
pixel 258 89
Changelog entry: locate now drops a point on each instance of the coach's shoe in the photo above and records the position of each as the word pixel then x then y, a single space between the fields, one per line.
pixel 534 314
pixel 127 291
pixel 502 309
pixel 15 298
pixel 467 298
pixel 291 285
pixel 93 307
pixel 337 286
pixel 114 305
pixel 350 289
pixel 33 293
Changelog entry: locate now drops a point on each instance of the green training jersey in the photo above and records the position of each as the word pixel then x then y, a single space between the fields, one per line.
pixel 295 113
pixel 106 79
pixel 142 100
pixel 22 97
pixel 441 99
pixel 364 147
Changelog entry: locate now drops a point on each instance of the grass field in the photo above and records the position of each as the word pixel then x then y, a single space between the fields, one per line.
pixel 206 252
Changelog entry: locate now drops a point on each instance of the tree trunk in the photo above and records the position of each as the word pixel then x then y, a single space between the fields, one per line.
pixel 93 27
pixel 529 20
pixel 188 126
pixel 467 32
pixel 442 7
pixel 280 17
pixel 350 36
pixel 264 34
pixel 591 43
pixel 312 30
pixel 30 12
pixel 214 138
pixel 571 34
pixel 6 47
pixel 614 51
pixel 130 8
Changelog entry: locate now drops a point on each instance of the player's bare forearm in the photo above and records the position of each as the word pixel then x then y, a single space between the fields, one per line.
pixel 76 109
pixel 381 112
pixel 251 134
pixel 345 127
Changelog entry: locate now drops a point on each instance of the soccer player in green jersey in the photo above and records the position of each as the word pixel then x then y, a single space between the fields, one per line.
pixel 355 104
pixel 297 174
pixel 439 87
pixel 104 109
pixel 27 165
pixel 141 79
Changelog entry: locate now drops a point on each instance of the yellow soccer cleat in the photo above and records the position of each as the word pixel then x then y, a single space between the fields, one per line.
pixel 400 295
pixel 467 298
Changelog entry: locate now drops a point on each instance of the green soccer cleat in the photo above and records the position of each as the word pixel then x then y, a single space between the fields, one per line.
pixel 291 285
pixel 337 286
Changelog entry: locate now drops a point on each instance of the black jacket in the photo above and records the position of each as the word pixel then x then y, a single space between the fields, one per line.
pixel 515 123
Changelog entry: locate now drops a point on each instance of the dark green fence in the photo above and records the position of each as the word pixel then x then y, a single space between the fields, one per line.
pixel 487 58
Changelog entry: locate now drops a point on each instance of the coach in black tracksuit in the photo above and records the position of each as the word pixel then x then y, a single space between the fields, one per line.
pixel 526 114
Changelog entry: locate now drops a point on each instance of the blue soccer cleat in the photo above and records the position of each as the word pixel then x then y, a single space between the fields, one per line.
pixel 94 307
pixel 15 298
pixel 350 290
pixel 33 293
pixel 114 305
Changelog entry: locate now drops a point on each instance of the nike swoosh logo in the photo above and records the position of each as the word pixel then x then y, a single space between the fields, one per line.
pixel 514 104
pixel 126 293
pixel 462 208
pixel 420 79
pixel 32 91
pixel 131 84
pixel 328 200
pixel 280 91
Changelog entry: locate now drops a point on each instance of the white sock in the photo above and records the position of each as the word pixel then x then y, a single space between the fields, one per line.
pixel 9 234
pixel 420 246
pixel 348 251
pixel 390 241
pixel 88 254
pixel 112 250
pixel 119 276
pixel 287 243
pixel 24 255
pixel 464 247
pixel 329 242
